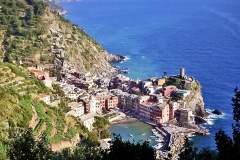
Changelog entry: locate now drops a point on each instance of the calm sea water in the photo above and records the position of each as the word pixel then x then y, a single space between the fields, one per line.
pixel 163 35
pixel 134 132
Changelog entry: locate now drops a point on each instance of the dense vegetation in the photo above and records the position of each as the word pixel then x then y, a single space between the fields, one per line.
pixel 31 34
pixel 20 28
pixel 24 146
pixel 227 147
pixel 120 150
pixel 100 126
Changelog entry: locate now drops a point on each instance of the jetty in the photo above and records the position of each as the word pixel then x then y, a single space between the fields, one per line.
pixel 174 139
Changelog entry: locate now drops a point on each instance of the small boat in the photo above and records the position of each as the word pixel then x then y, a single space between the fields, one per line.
pixel 130 135
pixel 157 146
pixel 152 136
pixel 124 70
pixel 143 134
pixel 158 140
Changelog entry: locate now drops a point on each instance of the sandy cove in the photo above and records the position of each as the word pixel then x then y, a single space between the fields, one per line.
pixel 122 118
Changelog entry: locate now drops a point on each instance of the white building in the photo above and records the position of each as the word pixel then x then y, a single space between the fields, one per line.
pixel 93 104
pixel 76 112
pixel 143 98
pixel 87 120
pixel 146 84
pixel 175 105
pixel 45 98
pixel 72 95
pixel 77 109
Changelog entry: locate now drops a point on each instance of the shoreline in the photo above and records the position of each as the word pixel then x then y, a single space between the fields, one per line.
pixel 172 136
pixel 126 120
pixel 122 118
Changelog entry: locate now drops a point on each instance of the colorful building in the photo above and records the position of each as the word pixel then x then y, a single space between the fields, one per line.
pixel 168 90
pixel 156 112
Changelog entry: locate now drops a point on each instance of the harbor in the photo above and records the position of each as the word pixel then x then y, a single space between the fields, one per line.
pixel 134 131
pixel 166 140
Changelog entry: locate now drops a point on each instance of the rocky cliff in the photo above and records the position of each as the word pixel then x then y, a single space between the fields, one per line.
pixel 55 6
pixel 78 49
pixel 195 102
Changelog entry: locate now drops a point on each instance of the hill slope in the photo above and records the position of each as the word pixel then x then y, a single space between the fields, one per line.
pixel 21 107
pixel 32 34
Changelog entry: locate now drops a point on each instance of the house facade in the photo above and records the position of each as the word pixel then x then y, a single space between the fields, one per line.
pixel 87 120
pixel 45 98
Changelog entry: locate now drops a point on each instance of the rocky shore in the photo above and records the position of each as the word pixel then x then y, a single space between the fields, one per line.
pixel 115 58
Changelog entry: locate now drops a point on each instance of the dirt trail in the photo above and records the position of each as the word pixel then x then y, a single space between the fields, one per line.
pixel 35 120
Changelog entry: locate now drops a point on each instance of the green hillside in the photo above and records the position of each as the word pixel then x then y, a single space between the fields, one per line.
pixel 30 33
pixel 20 107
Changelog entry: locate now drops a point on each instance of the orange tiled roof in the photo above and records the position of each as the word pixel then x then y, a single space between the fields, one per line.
pixel 43 95
pixel 135 89
pixel 37 72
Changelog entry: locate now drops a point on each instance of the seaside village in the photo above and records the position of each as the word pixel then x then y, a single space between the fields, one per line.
pixel 151 101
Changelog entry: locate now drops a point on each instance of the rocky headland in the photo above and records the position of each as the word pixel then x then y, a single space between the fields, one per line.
pixel 115 58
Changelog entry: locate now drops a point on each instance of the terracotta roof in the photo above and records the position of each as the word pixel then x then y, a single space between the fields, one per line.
pixel 43 95
pixel 37 72
pixel 135 89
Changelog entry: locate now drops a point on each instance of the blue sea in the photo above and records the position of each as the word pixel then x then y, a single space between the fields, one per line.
pixel 157 36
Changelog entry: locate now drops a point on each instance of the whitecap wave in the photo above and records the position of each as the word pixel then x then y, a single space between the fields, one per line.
pixel 210 121
pixel 126 58
pixel 143 57
pixel 212 117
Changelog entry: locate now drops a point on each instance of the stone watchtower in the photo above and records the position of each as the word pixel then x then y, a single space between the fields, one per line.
pixel 182 72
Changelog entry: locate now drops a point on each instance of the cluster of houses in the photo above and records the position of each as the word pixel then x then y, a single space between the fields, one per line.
pixel 151 99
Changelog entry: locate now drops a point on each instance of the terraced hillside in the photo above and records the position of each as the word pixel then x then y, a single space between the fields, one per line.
pixel 20 107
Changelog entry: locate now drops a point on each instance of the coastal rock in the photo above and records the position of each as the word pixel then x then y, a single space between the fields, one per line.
pixel 54 4
pixel 217 112
pixel 115 58
pixel 195 102
pixel 199 120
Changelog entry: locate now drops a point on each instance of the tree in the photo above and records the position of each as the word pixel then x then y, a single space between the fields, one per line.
pixel 100 124
pixel 236 105
pixel 29 14
pixel 229 148
pixel 189 153
pixel 120 150
pixel 24 147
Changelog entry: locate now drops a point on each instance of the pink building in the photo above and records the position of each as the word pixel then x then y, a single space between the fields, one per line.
pixel 107 101
pixel 168 90
pixel 156 112
pixel 160 113
pixel 171 112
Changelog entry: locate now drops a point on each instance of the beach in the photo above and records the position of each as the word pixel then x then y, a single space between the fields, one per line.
pixel 122 118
